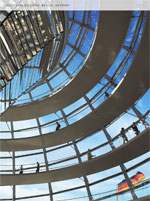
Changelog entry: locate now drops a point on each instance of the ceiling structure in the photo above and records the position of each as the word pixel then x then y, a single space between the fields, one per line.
pixel 92 77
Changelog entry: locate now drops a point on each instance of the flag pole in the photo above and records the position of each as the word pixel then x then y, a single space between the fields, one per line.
pixel 117 195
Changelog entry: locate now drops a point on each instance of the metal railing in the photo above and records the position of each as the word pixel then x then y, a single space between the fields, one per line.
pixel 55 162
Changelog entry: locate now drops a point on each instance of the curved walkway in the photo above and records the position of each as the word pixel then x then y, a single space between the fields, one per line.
pixel 134 148
pixel 131 89
pixel 109 40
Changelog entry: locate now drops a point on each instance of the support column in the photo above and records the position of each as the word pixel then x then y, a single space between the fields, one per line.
pixel 89 103
pixel 79 159
pixel 44 152
pixel 121 165
pixel 13 160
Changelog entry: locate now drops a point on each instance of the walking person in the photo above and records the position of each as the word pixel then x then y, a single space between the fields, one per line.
pixel 21 169
pixel 89 155
pixel 58 126
pixel 106 94
pixel 125 139
pixel 135 129
pixel 37 167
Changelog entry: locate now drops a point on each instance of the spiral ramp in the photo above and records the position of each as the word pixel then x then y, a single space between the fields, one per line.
pixel 111 32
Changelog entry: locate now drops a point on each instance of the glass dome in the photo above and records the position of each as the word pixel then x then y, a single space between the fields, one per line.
pixel 61 132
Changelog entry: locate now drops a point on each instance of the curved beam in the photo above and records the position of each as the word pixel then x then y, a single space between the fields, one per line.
pixel 104 162
pixel 111 34
pixel 131 89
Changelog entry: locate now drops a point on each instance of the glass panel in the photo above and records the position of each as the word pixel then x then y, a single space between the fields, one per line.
pixel 72 194
pixel 29 190
pixel 144 103
pixel 24 124
pixel 5 192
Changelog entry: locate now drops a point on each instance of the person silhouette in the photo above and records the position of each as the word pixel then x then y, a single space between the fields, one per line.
pixel 58 126
pixel 106 94
pixel 125 139
pixel 89 155
pixel 135 129
pixel 21 169
pixel 37 167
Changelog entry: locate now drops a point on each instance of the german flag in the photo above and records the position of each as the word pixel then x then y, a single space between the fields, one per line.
pixel 122 186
